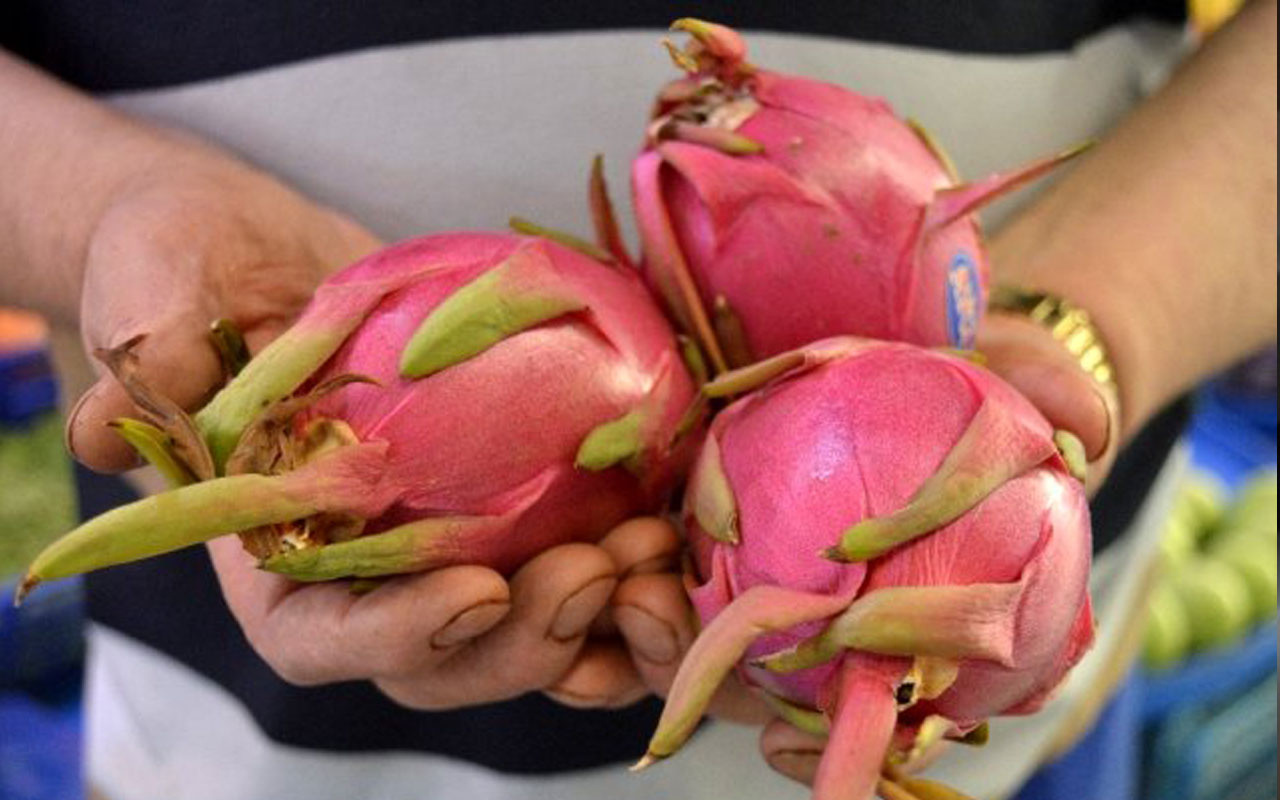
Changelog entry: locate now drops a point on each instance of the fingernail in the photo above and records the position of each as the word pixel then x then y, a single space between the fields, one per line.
pixel 576 612
pixel 1097 453
pixel 73 418
pixel 796 763
pixel 663 563
pixel 651 638
pixel 573 699
pixel 591 702
pixel 470 623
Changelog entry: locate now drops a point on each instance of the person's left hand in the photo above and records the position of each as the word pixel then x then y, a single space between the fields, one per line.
pixel 1046 373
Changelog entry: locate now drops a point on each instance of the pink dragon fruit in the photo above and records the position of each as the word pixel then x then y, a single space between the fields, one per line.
pixel 892 545
pixel 513 394
pixel 775 211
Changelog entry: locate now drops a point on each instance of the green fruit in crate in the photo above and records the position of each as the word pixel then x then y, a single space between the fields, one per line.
pixel 1255 506
pixel 1251 552
pixel 1260 577
pixel 1168 635
pixel 1252 539
pixel 1217 600
pixel 1200 504
pixel 1178 541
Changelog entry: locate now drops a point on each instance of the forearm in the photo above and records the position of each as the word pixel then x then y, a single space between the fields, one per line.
pixel 1166 231
pixel 65 156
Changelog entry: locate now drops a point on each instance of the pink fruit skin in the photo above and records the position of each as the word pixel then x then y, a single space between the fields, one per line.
pixel 820 234
pixel 811 454
pixel 500 430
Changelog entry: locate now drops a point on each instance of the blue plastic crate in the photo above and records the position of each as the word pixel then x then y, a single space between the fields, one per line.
pixel 1211 722
pixel 1104 765
pixel 1233 430
pixel 27 385
pixel 40 747
pixel 1217 753
pixel 1211 678
pixel 42 643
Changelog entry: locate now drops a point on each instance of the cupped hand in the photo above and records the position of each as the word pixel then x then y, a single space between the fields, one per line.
pixel 203 237
pixel 463 635
pixel 436 640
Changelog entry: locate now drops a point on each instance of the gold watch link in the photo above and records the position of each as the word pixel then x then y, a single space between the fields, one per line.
pixel 1067 322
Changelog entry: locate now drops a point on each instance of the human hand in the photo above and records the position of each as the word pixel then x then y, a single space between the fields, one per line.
pixel 196 238
pixel 651 610
pixel 636 644
pixel 463 635
pixel 435 640
pixel 1041 368
pixel 200 237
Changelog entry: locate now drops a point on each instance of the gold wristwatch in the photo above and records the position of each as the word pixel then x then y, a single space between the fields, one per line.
pixel 1068 323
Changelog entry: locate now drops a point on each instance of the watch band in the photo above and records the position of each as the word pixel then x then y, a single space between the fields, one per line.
pixel 1067 322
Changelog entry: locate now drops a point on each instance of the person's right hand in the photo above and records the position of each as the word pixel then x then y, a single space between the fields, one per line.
pixel 196 238
pixel 442 639
pixel 201 237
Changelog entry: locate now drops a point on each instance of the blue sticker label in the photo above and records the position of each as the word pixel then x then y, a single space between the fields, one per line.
pixel 964 300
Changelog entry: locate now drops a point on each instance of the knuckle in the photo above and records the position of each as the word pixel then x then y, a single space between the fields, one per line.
pixel 397 656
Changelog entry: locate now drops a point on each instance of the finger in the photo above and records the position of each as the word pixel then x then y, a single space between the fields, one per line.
pixel 638 546
pixel 320 633
pixel 790 751
pixel 602 676
pixel 643 545
pixel 554 598
pixel 1066 397
pixel 656 621
pixel 175 359
pixel 1029 358
pixel 264 332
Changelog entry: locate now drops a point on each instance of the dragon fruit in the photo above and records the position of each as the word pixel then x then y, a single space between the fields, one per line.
pixel 775 211
pixel 891 545
pixel 459 398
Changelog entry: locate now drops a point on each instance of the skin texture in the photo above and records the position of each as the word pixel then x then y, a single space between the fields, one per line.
pixel 95 210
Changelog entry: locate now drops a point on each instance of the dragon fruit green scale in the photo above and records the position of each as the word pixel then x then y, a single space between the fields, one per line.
pixel 775 211
pixel 458 398
pixel 910 555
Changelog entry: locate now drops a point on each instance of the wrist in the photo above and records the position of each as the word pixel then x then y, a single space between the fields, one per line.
pixel 142 162
pixel 67 156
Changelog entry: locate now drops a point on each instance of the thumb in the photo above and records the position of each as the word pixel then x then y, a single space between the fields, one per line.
pixel 1047 374
pixel 175 359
